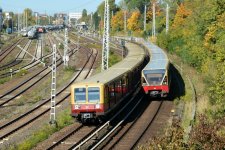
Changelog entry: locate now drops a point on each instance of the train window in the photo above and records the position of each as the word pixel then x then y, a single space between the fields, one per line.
pixel 93 94
pixel 80 95
pixel 154 79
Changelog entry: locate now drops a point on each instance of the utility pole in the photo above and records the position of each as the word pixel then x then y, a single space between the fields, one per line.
pixel 36 15
pixel 18 22
pixel 105 47
pixel 125 21
pixel 26 19
pixel 91 24
pixel 145 19
pixel 153 23
pixel 167 18
pixel 53 87
pixel 65 56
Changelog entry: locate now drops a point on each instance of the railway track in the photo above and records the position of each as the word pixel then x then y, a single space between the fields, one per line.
pixel 35 113
pixel 84 135
pixel 26 85
pixel 18 58
pixel 8 48
pixel 128 135
pixel 30 65
pixel 33 62
pixel 116 47
pixel 5 53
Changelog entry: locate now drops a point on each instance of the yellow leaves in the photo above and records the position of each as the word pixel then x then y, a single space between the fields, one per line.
pixel 132 22
pixel 210 35
pixel 117 21
pixel 149 14
pixel 180 16
pixel 221 20
pixel 214 30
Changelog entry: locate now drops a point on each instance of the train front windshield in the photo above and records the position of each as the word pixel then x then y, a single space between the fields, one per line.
pixel 80 95
pixel 93 94
pixel 154 77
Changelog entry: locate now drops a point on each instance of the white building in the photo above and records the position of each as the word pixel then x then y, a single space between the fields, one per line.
pixel 75 16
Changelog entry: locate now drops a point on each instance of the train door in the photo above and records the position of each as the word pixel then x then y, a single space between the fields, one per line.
pixel 112 96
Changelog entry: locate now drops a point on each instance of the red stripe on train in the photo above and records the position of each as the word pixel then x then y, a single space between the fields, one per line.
pixel 87 108
pixel 164 88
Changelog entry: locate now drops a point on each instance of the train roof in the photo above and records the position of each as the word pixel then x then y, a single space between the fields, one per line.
pixel 158 59
pixel 135 55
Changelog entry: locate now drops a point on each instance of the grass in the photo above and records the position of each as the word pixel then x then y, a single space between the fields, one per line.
pixel 113 59
pixel 3 80
pixel 43 91
pixel 22 72
pixel 63 119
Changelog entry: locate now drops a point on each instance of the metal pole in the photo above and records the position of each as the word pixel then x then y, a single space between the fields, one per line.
pixel 26 19
pixel 105 47
pixel 36 18
pixel 125 21
pixel 145 19
pixel 167 18
pixel 17 22
pixel 11 71
pixel 153 23
pixel 66 57
pixel 53 87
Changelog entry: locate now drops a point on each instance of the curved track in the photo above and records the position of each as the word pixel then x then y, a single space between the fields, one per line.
pixel 27 84
pixel 35 113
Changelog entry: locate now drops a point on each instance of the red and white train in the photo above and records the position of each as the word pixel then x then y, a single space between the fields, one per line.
pixel 156 74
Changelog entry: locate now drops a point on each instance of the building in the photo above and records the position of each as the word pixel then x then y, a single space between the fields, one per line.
pixel 74 16
pixel 59 18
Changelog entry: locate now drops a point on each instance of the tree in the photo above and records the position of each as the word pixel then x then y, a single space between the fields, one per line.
pixel 117 21
pixel 30 18
pixel 133 22
pixel 112 8
pixel 96 20
pixel 136 4
pixel 180 16
pixel 84 13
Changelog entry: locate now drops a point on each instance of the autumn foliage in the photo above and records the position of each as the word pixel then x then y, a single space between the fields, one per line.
pixel 133 21
pixel 117 21
pixel 180 16
pixel 205 135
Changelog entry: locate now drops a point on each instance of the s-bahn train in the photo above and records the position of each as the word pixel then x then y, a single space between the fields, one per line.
pixel 156 74
pixel 95 97
pixel 32 34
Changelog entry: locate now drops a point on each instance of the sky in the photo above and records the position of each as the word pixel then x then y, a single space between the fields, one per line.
pixel 51 6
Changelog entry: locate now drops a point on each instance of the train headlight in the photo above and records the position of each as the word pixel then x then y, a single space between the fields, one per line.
pixel 77 106
pixel 97 106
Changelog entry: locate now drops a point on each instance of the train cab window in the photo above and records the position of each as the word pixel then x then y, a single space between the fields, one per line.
pixel 154 79
pixel 93 94
pixel 80 95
